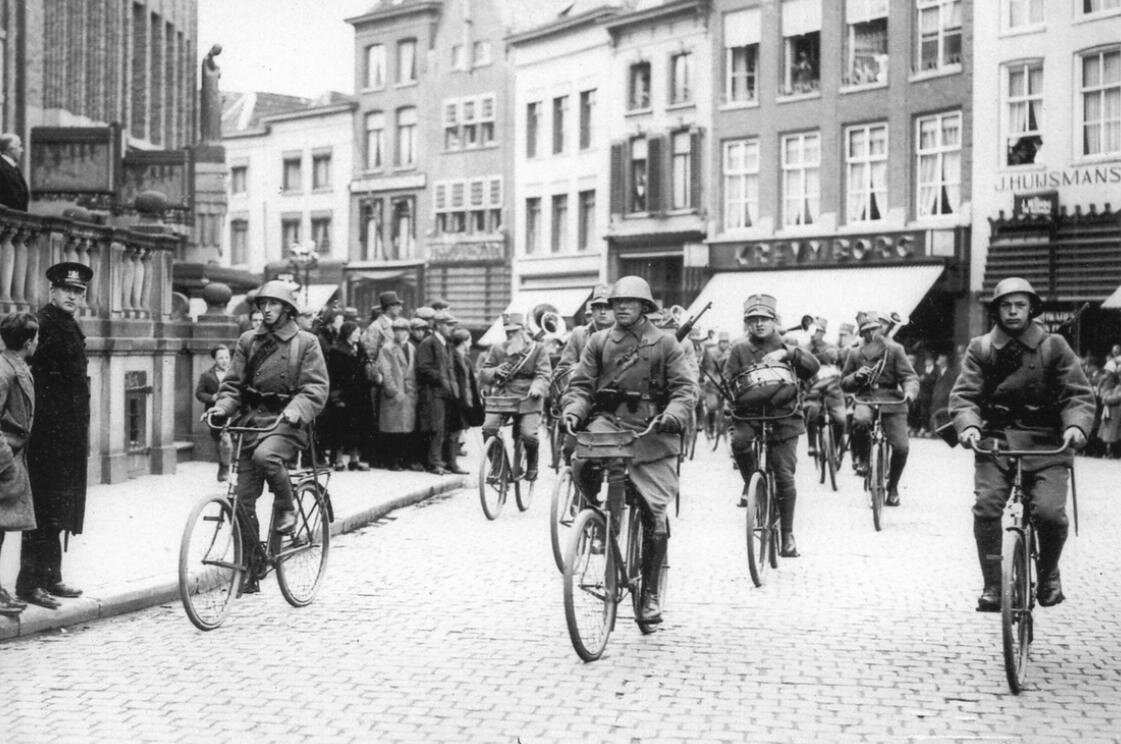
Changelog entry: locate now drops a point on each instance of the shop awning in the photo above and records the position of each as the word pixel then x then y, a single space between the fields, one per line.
pixel 567 301
pixel 316 296
pixel 834 294
pixel 1114 300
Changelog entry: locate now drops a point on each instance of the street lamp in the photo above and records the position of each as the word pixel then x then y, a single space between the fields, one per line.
pixel 302 258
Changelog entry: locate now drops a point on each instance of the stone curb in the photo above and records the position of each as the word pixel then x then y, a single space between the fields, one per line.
pixel 144 593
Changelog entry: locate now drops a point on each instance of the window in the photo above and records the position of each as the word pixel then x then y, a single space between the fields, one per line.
pixel 1023 124
pixel 370 229
pixel 801 186
pixel 865 42
pixel 681 143
pixel 801 46
pixel 406 61
pixel 939 164
pixel 459 57
pixel 375 67
pixel 375 140
pixel 560 110
pixel 741 55
pixel 939 34
pixel 481 53
pixel 560 223
pixel 1101 102
pixel 321 234
pixel 468 206
pixel 321 170
pixel 638 175
pixel 451 125
pixel 469 131
pixel 587 225
pixel 638 95
pixel 532 225
pixel 587 115
pixel 403 226
pixel 406 136
pixel 486 120
pixel 239 242
pixel 1099 6
pixel 238 176
pixel 681 78
pixel 741 183
pixel 866 172
pixel 289 235
pixel 137 391
pixel 532 127
pixel 1023 13
pixel 292 179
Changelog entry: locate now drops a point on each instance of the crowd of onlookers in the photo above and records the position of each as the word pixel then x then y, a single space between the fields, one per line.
pixel 1105 379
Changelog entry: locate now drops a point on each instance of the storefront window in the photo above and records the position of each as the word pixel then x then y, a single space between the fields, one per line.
pixel 1023 112
pixel 801 182
pixel 866 165
pixel 1101 102
pixel 938 164
pixel 741 183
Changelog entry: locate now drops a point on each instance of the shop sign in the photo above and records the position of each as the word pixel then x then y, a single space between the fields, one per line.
pixel 467 252
pixel 845 250
pixel 1045 204
pixel 1098 175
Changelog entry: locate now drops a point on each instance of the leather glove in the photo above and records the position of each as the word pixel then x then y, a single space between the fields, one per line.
pixel 571 421
pixel 970 437
pixel 668 425
pixel 1074 438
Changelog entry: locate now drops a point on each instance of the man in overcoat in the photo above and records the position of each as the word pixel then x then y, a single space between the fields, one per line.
pixel 897 375
pixel 519 366
pixel 397 417
pixel 278 371
pixel 58 451
pixel 713 358
pixel 437 393
pixel 14 193
pixel 1025 389
pixel 20 333
pixel 764 343
pixel 628 375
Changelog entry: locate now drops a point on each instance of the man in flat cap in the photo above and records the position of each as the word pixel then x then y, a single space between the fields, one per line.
pixel 59 444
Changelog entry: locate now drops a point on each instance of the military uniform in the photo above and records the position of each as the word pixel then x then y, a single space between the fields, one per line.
pixel 713 359
pixel 827 395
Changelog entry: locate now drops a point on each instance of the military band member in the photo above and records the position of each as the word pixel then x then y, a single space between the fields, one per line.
pixel 827 394
pixel 876 351
pixel 763 343
pixel 518 366
pixel 714 358
pixel 599 308
pixel 628 375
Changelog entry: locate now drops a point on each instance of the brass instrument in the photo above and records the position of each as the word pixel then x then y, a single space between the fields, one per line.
pixel 897 322
pixel 546 322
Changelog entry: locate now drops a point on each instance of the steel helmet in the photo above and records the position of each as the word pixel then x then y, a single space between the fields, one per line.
pixel 633 288
pixel 279 291
pixel 1017 285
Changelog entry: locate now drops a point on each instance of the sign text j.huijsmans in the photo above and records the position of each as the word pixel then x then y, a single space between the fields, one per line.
pixel 1050 179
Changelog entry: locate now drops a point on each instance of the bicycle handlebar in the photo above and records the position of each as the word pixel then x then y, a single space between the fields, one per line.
pixel 994 451
pixel 649 427
pixel 892 397
pixel 209 416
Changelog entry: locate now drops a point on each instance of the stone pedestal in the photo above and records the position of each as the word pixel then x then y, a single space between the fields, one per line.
pixel 211 205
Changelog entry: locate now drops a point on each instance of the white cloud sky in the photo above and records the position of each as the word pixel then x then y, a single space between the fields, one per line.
pixel 298 47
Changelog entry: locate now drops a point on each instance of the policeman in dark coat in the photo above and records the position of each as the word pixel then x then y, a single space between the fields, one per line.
pixel 59 445
pixel 1025 389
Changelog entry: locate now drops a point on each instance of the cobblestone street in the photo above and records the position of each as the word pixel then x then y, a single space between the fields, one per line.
pixel 438 626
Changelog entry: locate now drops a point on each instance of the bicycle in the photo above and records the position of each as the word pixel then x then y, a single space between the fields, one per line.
pixel 553 423
pixel 564 507
pixel 825 454
pixel 879 456
pixel 761 500
pixel 599 571
pixel 213 560
pixel 1018 554
pixel 499 468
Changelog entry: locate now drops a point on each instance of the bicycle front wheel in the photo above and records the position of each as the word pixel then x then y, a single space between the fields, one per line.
pixel 494 478
pixel 563 508
pixel 302 558
pixel 210 562
pixel 1016 602
pixel 523 489
pixel 590 586
pixel 877 482
pixel 758 532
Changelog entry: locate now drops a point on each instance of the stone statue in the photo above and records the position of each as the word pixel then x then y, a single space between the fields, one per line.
pixel 210 107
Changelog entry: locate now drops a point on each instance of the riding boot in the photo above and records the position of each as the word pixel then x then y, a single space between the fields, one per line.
pixel 895 472
pixel 811 437
pixel 1051 539
pixel 531 449
pixel 745 461
pixel 653 556
pixel 859 444
pixel 988 535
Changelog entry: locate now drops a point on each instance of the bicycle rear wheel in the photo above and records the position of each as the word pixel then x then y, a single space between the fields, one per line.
pixel 877 482
pixel 1016 601
pixel 828 445
pixel 523 489
pixel 758 532
pixel 494 478
pixel 590 586
pixel 210 562
pixel 301 560
pixel 563 508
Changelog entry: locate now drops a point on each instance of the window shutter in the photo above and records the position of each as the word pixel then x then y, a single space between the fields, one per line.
pixel 655 174
pixel 695 155
pixel 618 179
